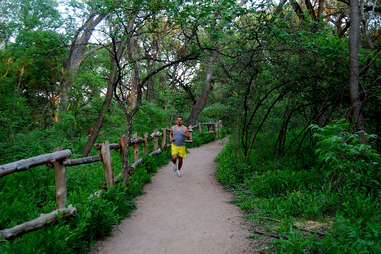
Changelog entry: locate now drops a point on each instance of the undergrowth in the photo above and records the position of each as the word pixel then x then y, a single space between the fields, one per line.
pixel 25 195
pixel 339 194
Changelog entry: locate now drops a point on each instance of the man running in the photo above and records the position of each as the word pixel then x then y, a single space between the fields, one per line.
pixel 177 137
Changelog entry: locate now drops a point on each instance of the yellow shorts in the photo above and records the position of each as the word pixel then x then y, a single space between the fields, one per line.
pixel 178 150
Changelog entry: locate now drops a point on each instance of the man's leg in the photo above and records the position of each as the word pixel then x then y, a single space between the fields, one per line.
pixel 178 171
pixel 180 163
pixel 174 158
pixel 182 155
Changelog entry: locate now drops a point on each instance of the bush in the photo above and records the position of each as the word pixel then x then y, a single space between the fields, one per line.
pixel 341 188
pixel 231 172
pixel 346 162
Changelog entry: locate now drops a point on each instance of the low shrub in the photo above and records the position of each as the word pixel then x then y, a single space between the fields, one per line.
pixel 341 189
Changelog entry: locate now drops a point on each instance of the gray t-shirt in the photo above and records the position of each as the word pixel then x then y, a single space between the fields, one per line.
pixel 179 136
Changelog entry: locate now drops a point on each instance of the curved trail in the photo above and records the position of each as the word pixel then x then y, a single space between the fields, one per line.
pixel 188 214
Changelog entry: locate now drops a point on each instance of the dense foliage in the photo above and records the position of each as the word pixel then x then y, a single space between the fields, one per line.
pixel 277 73
pixel 339 193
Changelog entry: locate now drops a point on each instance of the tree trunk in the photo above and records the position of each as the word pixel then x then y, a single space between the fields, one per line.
pixel 132 53
pixel 150 83
pixel 109 94
pixel 320 9
pixel 134 100
pixel 354 40
pixel 150 90
pixel 297 9
pixel 197 108
pixel 75 58
pixel 310 9
pixel 150 94
pixel 111 87
pixel 126 160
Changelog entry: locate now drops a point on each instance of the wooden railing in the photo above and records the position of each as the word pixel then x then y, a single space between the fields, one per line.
pixel 59 160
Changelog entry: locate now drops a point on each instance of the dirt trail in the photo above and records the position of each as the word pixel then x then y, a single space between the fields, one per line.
pixel 189 214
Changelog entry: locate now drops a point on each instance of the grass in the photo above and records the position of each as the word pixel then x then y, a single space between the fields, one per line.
pixel 24 196
pixel 341 199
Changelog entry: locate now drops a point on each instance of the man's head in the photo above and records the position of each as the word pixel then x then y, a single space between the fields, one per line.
pixel 179 121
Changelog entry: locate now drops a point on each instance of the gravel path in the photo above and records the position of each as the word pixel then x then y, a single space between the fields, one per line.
pixel 180 215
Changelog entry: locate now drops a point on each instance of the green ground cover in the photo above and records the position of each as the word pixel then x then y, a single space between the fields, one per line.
pixel 339 193
pixel 25 195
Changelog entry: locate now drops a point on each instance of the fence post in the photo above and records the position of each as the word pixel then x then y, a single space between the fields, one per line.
pixel 190 129
pixel 216 129
pixel 121 142
pixel 145 143
pixel 199 128
pixel 210 128
pixel 107 163
pixel 60 178
pixel 155 141
pixel 136 148
pixel 164 140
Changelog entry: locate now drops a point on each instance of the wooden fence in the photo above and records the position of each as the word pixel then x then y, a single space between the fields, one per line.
pixel 59 160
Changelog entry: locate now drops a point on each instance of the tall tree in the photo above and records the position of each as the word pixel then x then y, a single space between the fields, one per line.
pixel 111 86
pixel 77 55
pixel 201 101
pixel 354 39
pixel 220 18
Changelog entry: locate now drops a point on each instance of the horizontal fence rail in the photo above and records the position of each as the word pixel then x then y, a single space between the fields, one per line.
pixel 25 164
pixel 39 222
pixel 59 160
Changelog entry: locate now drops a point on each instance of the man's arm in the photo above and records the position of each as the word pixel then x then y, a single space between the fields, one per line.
pixel 186 132
pixel 171 135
